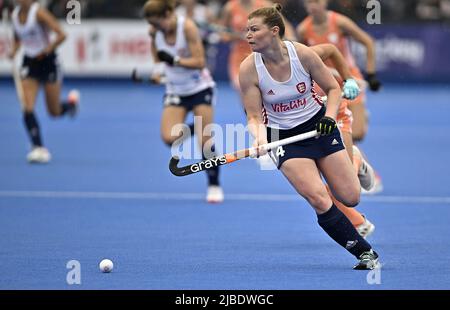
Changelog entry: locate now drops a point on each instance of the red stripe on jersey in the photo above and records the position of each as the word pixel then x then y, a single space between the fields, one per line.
pixel 264 116
pixel 315 96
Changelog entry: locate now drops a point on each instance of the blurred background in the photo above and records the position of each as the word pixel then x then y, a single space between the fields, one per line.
pixel 411 40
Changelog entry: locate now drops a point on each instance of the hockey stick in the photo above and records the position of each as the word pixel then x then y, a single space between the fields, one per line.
pixel 154 76
pixel 232 157
pixel 15 70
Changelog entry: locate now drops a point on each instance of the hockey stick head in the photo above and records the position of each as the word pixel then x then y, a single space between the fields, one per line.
pixel 179 171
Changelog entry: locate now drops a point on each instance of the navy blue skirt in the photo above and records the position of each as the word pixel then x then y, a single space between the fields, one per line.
pixel 313 148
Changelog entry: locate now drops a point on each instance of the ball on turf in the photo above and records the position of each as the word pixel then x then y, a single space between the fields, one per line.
pixel 106 265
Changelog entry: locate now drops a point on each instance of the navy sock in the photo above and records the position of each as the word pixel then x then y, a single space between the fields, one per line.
pixel 341 230
pixel 32 127
pixel 213 173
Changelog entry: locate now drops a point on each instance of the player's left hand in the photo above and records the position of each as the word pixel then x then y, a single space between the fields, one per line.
pixel 351 89
pixel 167 58
pixel 326 125
pixel 374 83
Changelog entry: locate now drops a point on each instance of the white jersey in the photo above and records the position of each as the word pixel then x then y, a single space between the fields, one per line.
pixel 199 14
pixel 33 36
pixel 290 103
pixel 182 81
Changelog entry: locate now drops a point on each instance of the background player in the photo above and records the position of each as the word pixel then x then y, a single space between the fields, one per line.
pixel 189 87
pixel 325 26
pixel 328 52
pixel 32 25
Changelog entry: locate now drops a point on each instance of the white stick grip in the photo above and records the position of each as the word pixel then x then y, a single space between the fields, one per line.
pixel 276 144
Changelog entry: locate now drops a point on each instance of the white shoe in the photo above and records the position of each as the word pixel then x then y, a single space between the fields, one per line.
pixel 366 174
pixel 39 155
pixel 376 188
pixel 214 194
pixel 366 228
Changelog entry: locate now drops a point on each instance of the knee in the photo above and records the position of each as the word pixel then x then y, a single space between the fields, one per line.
pixel 359 134
pixel 169 140
pixel 319 200
pixel 352 199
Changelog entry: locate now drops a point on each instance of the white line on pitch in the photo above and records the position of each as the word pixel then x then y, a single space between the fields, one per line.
pixel 199 196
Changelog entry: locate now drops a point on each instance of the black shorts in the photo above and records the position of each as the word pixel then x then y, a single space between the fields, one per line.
pixel 45 70
pixel 189 102
pixel 313 148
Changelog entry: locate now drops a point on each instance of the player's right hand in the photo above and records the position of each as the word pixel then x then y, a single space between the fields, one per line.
pixel 326 125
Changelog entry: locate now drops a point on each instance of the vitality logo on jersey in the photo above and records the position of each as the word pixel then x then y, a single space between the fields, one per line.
pixel 292 105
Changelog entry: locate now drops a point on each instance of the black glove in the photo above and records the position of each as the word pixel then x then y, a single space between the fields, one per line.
pixel 325 126
pixel 166 57
pixel 374 84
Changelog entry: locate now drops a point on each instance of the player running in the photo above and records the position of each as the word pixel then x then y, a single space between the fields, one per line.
pixel 32 26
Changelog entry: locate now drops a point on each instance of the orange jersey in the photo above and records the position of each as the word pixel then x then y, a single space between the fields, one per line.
pixel 240 48
pixel 335 36
pixel 332 35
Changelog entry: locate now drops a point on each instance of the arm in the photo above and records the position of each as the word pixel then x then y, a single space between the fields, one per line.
pixel 197 59
pixel 348 27
pixel 251 98
pixel 195 45
pixel 15 46
pixel 329 51
pixel 47 19
pixel 153 50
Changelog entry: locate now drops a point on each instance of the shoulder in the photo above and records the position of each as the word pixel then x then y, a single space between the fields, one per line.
pixel 300 48
pixel 248 64
pixel 341 20
pixel 247 69
pixel 43 14
pixel 306 55
pixel 189 24
pixel 190 28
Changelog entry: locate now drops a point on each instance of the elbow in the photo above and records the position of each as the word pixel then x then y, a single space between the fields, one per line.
pixel 201 63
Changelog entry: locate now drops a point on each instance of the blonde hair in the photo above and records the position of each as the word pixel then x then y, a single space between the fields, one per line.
pixel 158 8
pixel 271 17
